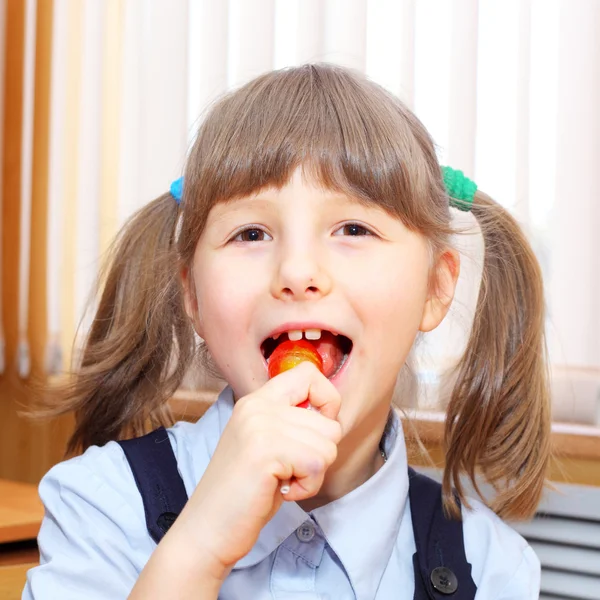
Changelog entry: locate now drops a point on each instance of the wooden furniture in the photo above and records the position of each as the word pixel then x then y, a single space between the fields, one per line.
pixel 12 580
pixel 576 447
pixel 21 511
pixel 18 553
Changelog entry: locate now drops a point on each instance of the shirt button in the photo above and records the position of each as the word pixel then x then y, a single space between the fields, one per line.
pixel 444 580
pixel 306 532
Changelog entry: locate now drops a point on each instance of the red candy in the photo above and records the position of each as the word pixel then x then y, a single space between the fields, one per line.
pixel 289 354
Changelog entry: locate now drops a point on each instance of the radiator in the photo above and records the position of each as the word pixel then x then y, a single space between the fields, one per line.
pixel 565 534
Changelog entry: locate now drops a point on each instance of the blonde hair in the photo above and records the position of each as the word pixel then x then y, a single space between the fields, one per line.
pixel 352 136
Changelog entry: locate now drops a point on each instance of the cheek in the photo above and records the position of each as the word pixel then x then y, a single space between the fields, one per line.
pixel 397 289
pixel 406 300
pixel 392 309
pixel 225 301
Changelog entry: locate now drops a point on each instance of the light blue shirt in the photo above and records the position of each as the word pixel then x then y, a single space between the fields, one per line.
pixel 94 542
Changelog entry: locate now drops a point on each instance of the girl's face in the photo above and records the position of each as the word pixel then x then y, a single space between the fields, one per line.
pixel 306 258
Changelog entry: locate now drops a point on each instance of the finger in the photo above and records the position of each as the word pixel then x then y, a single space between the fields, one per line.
pixel 305 382
pixel 294 490
pixel 302 487
pixel 314 421
pixel 320 445
pixel 301 464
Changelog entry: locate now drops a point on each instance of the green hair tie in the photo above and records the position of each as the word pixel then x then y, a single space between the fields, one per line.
pixel 460 188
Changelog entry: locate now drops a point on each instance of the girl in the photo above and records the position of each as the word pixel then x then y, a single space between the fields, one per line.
pixel 313 206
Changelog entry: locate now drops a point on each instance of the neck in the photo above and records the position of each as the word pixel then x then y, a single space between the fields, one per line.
pixel 359 458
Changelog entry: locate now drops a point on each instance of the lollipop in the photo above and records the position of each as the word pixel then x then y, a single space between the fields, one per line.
pixel 286 356
pixel 290 354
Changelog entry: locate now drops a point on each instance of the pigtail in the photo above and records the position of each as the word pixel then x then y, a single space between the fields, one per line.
pixel 140 343
pixel 498 416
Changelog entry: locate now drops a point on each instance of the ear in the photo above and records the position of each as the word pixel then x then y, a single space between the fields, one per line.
pixel 189 300
pixel 447 270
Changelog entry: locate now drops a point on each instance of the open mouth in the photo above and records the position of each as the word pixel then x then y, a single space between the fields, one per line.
pixel 334 349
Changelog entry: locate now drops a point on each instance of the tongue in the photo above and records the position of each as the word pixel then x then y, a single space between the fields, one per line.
pixel 329 349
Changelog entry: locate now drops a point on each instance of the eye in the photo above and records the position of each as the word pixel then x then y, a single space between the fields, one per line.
pixel 355 230
pixel 250 234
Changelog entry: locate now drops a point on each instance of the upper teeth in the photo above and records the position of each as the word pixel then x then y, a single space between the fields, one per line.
pixel 310 334
pixel 296 334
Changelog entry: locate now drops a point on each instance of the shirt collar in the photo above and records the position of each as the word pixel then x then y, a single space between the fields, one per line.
pixel 362 527
pixel 362 539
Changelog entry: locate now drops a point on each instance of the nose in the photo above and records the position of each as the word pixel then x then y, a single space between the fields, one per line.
pixel 301 274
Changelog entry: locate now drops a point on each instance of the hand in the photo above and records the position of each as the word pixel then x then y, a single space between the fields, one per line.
pixel 267 440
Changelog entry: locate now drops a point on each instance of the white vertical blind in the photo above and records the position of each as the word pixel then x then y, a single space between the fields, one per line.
pixel 407 53
pixel 498 65
pixel 508 91
pixel 310 32
pixel 164 81
pixel 286 35
pixel 391 34
pixel 345 33
pixel 543 165
pixel 87 217
pixel 251 40
pixel 129 192
pixel 543 93
pixel 23 356
pixel 575 259
pixel 299 32
pixel 522 208
pixel 56 187
pixel 208 52
pixel 462 110
pixel 154 105
pixel 432 69
pixel 387 36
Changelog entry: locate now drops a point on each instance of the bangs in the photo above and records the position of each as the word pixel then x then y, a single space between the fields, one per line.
pixel 348 134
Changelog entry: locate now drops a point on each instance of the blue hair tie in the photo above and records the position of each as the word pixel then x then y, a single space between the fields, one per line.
pixel 177 190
